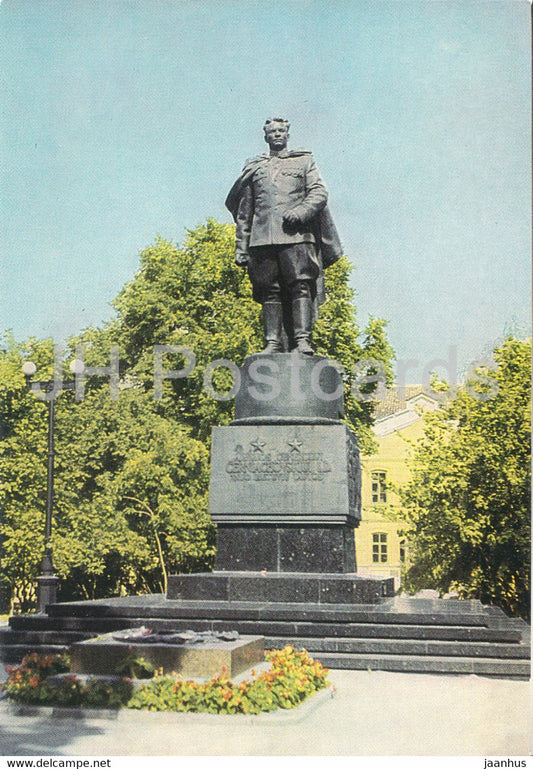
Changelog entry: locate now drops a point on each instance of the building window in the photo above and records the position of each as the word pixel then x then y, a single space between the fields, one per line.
pixel 403 551
pixel 379 548
pixel 379 487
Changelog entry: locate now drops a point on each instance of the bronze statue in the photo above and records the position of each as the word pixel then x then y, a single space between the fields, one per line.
pixel 285 237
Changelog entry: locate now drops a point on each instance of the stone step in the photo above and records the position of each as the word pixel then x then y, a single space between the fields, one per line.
pixel 501 621
pixel 390 640
pixel 442 614
pixel 487 666
pixel 424 635
pixel 89 626
pixel 405 647
pixel 14 654
pixel 426 664
pixel 421 663
pixel 41 622
pixel 43 636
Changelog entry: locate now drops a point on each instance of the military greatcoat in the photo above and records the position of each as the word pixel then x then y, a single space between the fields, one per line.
pixel 280 183
pixel 270 186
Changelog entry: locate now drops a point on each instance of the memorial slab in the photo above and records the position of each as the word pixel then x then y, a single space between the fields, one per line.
pixel 104 655
pixel 285 474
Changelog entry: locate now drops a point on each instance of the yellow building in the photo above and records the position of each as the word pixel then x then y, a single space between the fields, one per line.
pixel 380 548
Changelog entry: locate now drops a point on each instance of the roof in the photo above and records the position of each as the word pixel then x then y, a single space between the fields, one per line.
pixel 396 399
pixel 402 406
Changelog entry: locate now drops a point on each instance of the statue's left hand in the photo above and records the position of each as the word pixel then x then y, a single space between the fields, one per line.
pixel 291 218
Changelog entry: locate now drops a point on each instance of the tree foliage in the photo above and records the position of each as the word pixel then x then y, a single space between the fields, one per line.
pixel 115 461
pixel 22 478
pixel 468 499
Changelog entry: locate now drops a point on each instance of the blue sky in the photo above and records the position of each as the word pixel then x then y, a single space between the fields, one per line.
pixel 125 119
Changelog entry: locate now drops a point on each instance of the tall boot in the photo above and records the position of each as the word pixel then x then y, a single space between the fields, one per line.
pixel 302 314
pixel 272 316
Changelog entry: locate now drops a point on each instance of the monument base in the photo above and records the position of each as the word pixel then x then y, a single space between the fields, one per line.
pixel 285 498
pixel 281 548
pixel 277 588
pixel 423 635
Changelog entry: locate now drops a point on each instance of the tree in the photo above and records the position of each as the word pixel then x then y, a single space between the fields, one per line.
pixel 467 503
pixel 127 462
pixel 23 479
pixel 106 451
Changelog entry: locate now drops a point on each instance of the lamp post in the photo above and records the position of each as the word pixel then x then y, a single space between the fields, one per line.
pixel 48 582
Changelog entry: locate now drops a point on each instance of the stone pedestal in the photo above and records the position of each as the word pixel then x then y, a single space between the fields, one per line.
pixel 287 388
pixel 286 474
pixel 285 497
pixel 285 493
pixel 271 548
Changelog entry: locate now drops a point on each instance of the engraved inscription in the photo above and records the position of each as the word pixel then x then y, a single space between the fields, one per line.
pixel 294 464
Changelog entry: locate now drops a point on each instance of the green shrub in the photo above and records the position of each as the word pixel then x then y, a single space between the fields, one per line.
pixel 106 694
pixel 135 666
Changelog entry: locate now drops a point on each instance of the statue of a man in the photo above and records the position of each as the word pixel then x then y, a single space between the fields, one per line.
pixel 285 237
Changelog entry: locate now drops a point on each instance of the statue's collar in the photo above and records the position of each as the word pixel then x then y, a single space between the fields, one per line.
pixel 286 154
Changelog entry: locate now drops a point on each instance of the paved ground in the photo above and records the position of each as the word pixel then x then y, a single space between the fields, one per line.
pixel 371 713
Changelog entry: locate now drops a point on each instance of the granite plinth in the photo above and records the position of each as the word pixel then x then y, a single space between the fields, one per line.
pixel 329 549
pixel 277 588
pixel 280 387
pixel 103 655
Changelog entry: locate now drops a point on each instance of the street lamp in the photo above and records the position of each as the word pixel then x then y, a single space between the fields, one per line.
pixel 47 582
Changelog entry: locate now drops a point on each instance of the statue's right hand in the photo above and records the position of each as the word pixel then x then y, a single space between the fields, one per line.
pixel 241 260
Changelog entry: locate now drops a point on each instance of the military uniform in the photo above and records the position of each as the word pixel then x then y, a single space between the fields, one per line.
pixel 283 260
pixel 286 182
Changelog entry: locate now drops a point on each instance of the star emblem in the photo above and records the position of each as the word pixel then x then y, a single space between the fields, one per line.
pixel 258 445
pixel 295 444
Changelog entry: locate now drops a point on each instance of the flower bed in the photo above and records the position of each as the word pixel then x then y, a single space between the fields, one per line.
pixel 292 677
pixel 31 683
